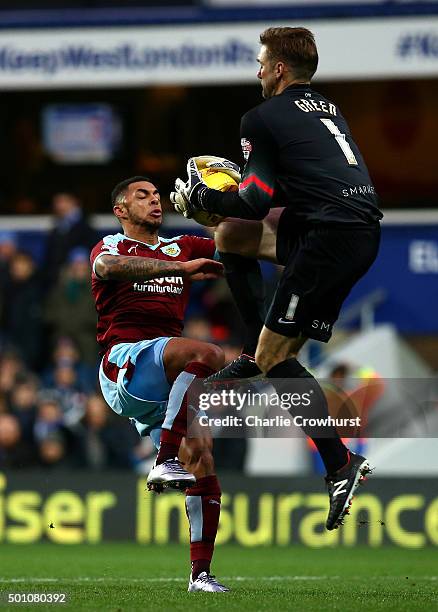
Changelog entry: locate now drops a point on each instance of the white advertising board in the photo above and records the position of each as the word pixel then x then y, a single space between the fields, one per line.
pixel 209 54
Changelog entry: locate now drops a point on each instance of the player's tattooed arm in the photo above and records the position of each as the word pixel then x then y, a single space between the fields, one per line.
pixel 126 268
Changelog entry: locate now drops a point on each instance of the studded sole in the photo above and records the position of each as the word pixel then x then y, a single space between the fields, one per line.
pixel 363 470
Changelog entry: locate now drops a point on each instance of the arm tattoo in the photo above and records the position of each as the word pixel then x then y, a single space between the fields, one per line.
pixel 123 267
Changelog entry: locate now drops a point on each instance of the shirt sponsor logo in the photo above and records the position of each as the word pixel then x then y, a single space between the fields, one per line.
pixel 172 250
pixel 358 190
pixel 246 148
pixel 322 325
pixel 168 284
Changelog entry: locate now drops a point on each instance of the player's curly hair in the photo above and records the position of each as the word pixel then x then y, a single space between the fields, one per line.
pixel 118 193
pixel 296 47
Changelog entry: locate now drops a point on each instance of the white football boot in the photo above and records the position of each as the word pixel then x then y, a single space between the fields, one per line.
pixel 207 583
pixel 171 474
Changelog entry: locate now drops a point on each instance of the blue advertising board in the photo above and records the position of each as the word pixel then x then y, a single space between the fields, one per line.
pixel 407 269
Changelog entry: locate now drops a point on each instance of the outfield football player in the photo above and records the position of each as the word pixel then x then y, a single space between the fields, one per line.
pixel 141 285
pixel 300 156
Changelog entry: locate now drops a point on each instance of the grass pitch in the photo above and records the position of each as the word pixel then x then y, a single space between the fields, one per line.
pixel 125 577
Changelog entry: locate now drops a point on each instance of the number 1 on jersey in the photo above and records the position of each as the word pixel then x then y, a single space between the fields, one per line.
pixel 341 140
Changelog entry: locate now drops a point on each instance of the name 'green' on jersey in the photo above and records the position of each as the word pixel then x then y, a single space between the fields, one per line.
pixel 299 153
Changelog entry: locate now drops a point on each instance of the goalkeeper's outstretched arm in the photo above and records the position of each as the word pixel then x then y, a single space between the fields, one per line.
pixel 256 190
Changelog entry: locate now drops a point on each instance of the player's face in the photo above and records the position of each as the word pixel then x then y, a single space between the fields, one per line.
pixel 266 73
pixel 143 206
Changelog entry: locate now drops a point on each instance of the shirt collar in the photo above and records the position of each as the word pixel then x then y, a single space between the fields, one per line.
pixel 298 86
pixel 151 246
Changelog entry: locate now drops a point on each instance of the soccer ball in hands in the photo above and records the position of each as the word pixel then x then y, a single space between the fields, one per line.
pixel 215 179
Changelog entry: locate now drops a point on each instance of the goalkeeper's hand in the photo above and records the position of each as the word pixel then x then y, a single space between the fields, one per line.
pixel 187 197
pixel 220 164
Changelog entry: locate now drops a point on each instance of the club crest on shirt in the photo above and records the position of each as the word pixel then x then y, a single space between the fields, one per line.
pixel 172 250
pixel 246 148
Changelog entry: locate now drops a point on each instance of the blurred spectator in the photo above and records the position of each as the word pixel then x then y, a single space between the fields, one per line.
pixel 353 390
pixel 144 454
pixel 53 452
pixel 339 373
pixel 49 417
pixel 23 404
pixel 14 452
pixel 25 205
pixel 65 353
pixel 71 230
pixel 72 399
pixel 3 404
pixel 70 310
pixel 231 351
pixel 198 328
pixel 11 367
pixel 8 248
pixel 101 442
pixel 21 317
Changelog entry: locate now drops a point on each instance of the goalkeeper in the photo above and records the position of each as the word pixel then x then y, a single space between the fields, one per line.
pixel 302 163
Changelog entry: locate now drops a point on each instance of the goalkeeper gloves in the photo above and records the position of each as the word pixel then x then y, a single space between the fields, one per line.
pixel 212 162
pixel 188 196
pixel 185 197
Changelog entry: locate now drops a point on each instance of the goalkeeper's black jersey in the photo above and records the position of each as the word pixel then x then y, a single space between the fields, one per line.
pixel 299 153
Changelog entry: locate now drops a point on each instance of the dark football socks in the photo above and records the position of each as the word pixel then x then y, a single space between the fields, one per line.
pixel 333 452
pixel 174 427
pixel 245 280
pixel 203 507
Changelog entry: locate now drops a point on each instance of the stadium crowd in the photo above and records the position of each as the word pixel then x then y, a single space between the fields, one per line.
pixel 52 414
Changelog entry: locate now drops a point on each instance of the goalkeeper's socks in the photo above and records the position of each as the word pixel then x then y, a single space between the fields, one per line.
pixel 203 507
pixel 245 280
pixel 331 448
pixel 174 427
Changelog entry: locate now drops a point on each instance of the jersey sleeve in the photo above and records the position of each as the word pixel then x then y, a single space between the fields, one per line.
pixel 106 246
pixel 201 247
pixel 256 190
pixel 260 153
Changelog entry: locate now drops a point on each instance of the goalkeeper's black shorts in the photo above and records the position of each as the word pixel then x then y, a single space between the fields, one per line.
pixel 322 264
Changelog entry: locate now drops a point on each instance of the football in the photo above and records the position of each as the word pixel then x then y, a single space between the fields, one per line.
pixel 216 180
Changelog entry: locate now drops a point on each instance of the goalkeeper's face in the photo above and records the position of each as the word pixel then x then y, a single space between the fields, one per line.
pixel 267 73
pixel 143 205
